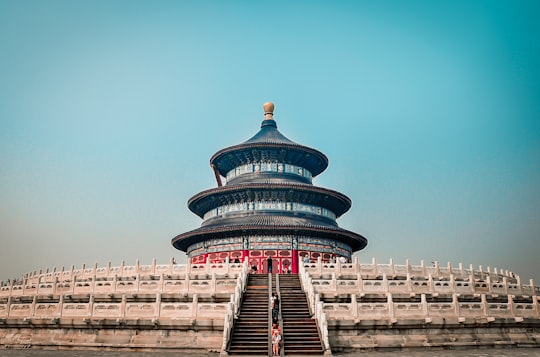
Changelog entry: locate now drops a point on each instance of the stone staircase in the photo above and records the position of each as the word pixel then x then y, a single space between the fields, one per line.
pixel 300 332
pixel 250 331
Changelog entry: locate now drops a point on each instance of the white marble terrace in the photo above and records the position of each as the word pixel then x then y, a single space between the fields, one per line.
pixel 156 292
pixel 390 292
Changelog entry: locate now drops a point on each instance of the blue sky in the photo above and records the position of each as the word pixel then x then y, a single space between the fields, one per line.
pixel 428 111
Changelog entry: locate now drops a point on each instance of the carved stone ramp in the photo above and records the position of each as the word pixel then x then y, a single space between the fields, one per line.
pixel 250 331
pixel 300 332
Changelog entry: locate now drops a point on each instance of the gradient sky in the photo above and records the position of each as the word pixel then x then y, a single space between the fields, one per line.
pixel 429 112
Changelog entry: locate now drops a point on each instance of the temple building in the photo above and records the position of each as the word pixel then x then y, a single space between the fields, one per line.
pixel 269 207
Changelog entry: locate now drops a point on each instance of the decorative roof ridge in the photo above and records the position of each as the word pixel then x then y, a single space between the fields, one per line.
pixel 269 226
pixel 360 240
pixel 247 145
pixel 269 185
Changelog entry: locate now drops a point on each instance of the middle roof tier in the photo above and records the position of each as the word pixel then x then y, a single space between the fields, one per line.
pixel 307 194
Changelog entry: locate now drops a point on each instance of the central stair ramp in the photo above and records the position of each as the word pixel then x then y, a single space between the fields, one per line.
pixel 300 332
pixel 250 335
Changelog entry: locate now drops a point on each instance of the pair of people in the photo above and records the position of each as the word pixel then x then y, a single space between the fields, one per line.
pixel 276 339
pixel 276 336
pixel 275 308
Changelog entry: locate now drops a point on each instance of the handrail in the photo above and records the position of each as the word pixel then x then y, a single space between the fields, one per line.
pixel 270 352
pixel 316 308
pixel 280 318
pixel 233 307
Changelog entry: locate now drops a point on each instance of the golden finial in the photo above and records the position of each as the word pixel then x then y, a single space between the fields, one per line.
pixel 268 110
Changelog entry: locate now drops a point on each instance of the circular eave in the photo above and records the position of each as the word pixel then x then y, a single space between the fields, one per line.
pixel 183 241
pixel 308 194
pixel 229 158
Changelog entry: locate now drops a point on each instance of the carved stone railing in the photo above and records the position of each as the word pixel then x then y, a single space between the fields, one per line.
pixel 393 311
pixel 315 307
pixel 115 309
pixel 354 277
pixel 53 299
pixel 393 270
pixel 233 306
pixel 205 279
pixel 123 270
pixel 492 294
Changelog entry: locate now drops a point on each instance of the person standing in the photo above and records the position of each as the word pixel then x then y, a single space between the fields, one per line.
pixel 275 308
pixel 269 261
pixel 276 339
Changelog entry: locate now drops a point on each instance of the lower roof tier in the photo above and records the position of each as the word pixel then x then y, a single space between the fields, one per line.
pixel 269 227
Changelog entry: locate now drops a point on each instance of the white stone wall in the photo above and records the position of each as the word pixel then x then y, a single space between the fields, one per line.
pixel 195 302
pixel 104 292
pixel 472 294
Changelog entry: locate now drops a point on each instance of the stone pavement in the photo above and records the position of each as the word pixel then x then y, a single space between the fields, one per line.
pixel 490 352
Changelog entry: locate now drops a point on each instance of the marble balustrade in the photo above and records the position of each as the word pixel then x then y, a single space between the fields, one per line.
pixel 125 293
pixel 355 291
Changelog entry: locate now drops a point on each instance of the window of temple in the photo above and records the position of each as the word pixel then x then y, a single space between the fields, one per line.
pixel 269 167
pixel 269 205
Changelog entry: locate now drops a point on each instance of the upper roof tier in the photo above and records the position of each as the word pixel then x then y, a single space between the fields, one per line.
pixel 269 145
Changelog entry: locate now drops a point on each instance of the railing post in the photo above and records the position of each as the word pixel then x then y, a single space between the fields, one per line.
pixel 484 304
pixel 511 305
pixel 535 303
pixel 213 283
pixel 186 284
pixel 195 306
pixel 91 306
pixel 354 306
pixel 158 305
pixel 356 263
pixel 437 269
pixel 33 310
pixel 385 282
pixel 390 303
pixel 425 310
pixel 269 307
pixel 123 306
pixel 455 302
pixel 227 328
pixel 115 282
pixel 9 305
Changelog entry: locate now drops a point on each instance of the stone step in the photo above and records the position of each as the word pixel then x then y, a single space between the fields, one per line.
pixel 300 333
pixel 250 331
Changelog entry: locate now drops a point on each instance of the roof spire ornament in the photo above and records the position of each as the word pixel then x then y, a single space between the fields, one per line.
pixel 268 110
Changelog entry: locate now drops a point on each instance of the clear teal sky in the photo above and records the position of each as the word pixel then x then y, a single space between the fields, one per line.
pixel 429 112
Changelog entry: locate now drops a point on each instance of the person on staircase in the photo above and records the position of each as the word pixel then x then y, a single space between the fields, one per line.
pixel 276 339
pixel 269 261
pixel 275 308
